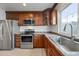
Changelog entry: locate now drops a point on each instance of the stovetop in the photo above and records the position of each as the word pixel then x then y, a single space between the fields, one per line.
pixel 27 33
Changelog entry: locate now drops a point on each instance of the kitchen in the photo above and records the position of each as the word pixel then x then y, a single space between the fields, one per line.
pixel 39 29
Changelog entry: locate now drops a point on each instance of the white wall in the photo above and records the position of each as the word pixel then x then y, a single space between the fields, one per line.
pixel 59 8
pixel 36 28
pixel 57 27
pixel 54 28
pixel 2 14
pixel 77 35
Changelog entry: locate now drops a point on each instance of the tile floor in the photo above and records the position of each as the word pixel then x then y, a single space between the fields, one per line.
pixel 23 52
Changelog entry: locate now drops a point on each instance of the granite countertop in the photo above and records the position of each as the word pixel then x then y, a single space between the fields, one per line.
pixel 61 48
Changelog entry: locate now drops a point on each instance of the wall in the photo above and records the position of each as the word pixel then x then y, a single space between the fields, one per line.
pixel 54 28
pixel 59 7
pixel 2 14
pixel 57 28
pixel 77 35
pixel 36 28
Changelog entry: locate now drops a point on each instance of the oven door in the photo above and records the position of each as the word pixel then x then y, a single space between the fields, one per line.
pixel 26 38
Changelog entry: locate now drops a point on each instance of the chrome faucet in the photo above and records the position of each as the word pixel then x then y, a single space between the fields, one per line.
pixel 72 37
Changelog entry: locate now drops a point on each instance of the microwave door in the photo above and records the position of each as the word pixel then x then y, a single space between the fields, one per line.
pixel 28 22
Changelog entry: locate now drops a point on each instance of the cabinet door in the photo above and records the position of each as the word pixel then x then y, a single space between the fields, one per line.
pixel 54 17
pixel 17 39
pixel 46 16
pixel 41 41
pixel 51 50
pixel 12 16
pixel 38 19
pixel 38 41
pixel 55 51
pixel 22 17
pixel 35 41
pixel 45 42
pixel 46 45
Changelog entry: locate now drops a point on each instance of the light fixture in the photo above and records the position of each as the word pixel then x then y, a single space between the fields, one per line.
pixel 24 4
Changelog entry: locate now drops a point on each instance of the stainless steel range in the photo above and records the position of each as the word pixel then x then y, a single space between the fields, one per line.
pixel 27 39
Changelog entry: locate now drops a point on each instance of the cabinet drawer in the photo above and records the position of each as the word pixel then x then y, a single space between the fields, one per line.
pixel 18 40
pixel 18 37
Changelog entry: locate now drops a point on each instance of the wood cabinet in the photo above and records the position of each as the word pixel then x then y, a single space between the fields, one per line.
pixel 25 16
pixel 17 40
pixel 51 49
pixel 46 44
pixel 54 17
pixel 41 18
pixel 12 16
pixel 47 16
pixel 36 16
pixel 38 19
pixel 38 41
pixel 21 16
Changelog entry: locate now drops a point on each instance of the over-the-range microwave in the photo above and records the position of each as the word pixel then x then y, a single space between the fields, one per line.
pixel 29 22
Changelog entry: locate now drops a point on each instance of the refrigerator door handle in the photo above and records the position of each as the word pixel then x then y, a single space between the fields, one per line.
pixel 2 31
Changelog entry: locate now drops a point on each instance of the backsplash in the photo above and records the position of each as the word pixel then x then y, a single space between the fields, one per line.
pixel 36 28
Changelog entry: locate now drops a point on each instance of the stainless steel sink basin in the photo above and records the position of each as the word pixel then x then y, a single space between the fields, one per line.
pixel 77 40
pixel 69 44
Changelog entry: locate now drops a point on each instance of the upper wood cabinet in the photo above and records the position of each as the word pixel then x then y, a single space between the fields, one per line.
pixel 47 16
pixel 36 16
pixel 24 16
pixel 38 19
pixel 21 16
pixel 54 17
pixel 41 18
pixel 12 16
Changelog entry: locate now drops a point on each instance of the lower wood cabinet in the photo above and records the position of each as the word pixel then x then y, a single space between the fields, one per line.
pixel 50 48
pixel 17 40
pixel 41 41
pixel 38 41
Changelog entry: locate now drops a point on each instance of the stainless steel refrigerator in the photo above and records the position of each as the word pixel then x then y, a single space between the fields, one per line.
pixel 6 35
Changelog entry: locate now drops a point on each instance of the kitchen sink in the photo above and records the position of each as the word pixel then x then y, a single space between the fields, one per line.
pixel 70 45
pixel 77 40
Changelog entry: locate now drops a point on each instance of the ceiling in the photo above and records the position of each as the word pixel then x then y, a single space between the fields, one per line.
pixel 28 7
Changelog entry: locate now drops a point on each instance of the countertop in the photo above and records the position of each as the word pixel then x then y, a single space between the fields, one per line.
pixel 61 48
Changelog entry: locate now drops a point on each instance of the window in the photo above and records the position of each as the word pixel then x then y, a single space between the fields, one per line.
pixel 69 16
